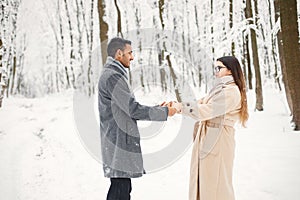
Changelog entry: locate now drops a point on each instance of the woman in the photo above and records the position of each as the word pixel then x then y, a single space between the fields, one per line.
pixel 214 145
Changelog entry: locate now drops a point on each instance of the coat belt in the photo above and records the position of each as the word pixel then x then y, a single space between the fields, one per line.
pixel 218 122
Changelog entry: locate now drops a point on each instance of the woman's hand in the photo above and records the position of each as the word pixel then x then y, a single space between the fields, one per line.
pixel 200 101
pixel 177 106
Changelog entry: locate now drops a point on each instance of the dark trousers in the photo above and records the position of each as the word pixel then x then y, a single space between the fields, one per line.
pixel 120 189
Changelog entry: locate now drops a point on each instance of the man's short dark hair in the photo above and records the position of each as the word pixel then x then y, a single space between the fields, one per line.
pixel 115 44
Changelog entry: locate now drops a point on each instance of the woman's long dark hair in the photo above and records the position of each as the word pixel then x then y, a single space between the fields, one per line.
pixel 233 64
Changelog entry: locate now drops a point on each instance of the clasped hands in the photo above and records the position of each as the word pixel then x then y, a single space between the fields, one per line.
pixel 173 107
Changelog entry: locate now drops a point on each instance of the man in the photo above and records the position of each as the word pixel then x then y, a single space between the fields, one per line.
pixel 120 138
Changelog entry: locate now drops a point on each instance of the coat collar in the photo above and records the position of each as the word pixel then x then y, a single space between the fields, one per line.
pixel 224 80
pixel 219 84
pixel 115 65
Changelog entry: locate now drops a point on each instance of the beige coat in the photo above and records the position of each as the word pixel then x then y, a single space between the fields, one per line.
pixel 214 145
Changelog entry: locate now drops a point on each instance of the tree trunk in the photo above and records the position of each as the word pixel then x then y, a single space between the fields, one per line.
pixel 291 57
pixel 161 50
pixel 198 32
pixel 172 73
pixel 266 58
pixel 274 43
pixel 138 26
pixel 90 72
pixel 11 30
pixel 2 84
pixel 119 20
pixel 174 77
pixel 103 30
pixel 248 61
pixel 58 75
pixel 62 48
pixel 0 60
pixel 188 35
pixel 212 31
pixel 72 55
pixel 13 74
pixel 282 59
pixel 80 32
pixel 258 84
pixel 161 5
pixel 231 25
pixel 20 64
pixel 246 53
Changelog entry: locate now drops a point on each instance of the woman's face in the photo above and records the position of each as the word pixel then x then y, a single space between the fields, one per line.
pixel 221 70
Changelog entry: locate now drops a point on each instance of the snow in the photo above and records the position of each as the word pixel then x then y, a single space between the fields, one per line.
pixel 42 156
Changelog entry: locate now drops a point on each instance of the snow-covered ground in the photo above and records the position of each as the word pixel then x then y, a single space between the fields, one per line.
pixel 42 157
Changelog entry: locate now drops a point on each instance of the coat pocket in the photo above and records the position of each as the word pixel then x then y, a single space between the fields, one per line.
pixel 209 141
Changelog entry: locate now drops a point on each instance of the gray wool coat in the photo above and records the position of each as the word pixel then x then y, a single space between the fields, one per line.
pixel 119 110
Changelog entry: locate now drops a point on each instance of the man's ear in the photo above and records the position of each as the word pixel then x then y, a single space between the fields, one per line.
pixel 119 53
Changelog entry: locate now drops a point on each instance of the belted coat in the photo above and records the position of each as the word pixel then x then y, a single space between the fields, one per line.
pixel 214 145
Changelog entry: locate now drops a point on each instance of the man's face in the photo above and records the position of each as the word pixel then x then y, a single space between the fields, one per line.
pixel 125 56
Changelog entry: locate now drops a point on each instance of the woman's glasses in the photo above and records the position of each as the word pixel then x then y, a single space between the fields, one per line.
pixel 218 68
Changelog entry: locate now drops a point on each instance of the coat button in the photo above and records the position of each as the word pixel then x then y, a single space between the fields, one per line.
pixel 191 110
pixel 188 104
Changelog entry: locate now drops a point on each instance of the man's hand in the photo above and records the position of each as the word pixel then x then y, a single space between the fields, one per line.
pixel 163 104
pixel 172 110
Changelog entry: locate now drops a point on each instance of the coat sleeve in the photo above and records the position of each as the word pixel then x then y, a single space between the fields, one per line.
pixel 123 99
pixel 227 100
